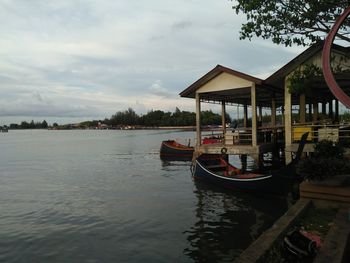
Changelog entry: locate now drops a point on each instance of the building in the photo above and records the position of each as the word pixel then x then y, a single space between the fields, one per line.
pixel 308 106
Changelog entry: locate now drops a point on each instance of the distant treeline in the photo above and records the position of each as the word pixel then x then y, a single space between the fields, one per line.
pixel 161 118
pixel 156 118
pixel 29 125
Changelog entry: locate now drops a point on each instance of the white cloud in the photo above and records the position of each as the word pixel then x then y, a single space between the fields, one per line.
pixel 77 58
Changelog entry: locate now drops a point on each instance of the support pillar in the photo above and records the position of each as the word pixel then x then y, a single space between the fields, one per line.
pixel 324 108
pixel 223 117
pixel 336 112
pixel 245 115
pixel 273 112
pixel 254 117
pixel 315 111
pixel 330 109
pixel 198 120
pixel 260 116
pixel 288 120
pixel 310 111
pixel 302 108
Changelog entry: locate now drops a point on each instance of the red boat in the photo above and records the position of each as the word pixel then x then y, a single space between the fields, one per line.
pixel 171 149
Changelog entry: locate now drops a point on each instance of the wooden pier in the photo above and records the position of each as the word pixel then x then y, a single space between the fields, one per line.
pixel 289 114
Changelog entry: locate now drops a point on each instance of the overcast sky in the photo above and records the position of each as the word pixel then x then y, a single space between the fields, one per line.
pixel 74 60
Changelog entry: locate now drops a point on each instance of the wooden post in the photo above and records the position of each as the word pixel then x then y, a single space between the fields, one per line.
pixel 245 115
pixel 273 112
pixel 254 117
pixel 223 117
pixel 330 109
pixel 260 115
pixel 310 111
pixel 336 113
pixel 315 110
pixel 288 120
pixel 198 120
pixel 324 108
pixel 302 108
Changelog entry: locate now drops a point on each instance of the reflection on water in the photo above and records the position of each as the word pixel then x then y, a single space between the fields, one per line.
pixel 104 196
pixel 227 222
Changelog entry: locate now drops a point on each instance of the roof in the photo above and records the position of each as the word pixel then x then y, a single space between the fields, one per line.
pixel 190 91
pixel 273 86
pixel 280 74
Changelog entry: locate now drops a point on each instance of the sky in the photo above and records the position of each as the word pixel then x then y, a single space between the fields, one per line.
pixel 73 60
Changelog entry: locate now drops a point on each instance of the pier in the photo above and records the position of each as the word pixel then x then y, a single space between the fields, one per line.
pixel 274 116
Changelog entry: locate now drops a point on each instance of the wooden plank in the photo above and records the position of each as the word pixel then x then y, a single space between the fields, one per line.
pixel 259 248
pixel 325 197
pixel 340 191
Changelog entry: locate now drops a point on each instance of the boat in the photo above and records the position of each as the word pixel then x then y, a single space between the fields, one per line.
pixel 220 172
pixel 171 149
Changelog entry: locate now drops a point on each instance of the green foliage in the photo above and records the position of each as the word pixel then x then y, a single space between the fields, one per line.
pixel 301 79
pixel 327 161
pixel 156 118
pixel 30 125
pixel 345 117
pixel 127 117
pixel 328 149
pixel 290 22
pixel 321 168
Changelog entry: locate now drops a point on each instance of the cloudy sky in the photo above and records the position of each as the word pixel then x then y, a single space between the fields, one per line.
pixel 74 60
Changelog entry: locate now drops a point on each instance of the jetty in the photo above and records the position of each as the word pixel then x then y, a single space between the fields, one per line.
pixel 292 112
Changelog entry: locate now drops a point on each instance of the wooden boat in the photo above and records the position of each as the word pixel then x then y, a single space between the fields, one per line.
pixel 171 149
pixel 218 171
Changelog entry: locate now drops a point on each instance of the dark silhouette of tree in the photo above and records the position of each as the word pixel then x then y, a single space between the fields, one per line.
pixel 44 124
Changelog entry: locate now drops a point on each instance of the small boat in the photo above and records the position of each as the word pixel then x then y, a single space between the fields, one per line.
pixel 171 149
pixel 218 171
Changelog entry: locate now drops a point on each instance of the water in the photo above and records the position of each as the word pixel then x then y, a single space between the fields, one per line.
pixel 105 196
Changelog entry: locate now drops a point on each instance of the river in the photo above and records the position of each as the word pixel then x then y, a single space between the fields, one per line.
pixel 105 196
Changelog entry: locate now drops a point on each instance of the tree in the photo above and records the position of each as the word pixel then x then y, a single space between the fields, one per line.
pixel 44 124
pixel 291 22
pixel 127 117
pixel 24 125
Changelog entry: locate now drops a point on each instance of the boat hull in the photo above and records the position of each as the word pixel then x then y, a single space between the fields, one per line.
pixel 250 182
pixel 173 150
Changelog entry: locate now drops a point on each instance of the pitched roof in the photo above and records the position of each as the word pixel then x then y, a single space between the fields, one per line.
pixel 281 73
pixel 190 91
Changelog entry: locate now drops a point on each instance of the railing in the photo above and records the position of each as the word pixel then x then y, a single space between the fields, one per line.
pixel 318 132
pixel 238 137
pixel 243 136
pixel 212 136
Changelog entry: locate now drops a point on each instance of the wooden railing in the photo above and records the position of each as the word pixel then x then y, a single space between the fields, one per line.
pixel 318 132
pixel 243 136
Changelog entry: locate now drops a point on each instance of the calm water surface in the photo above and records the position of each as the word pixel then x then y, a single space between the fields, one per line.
pixel 105 196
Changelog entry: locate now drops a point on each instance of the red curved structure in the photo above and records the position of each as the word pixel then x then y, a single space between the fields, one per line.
pixel 326 61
